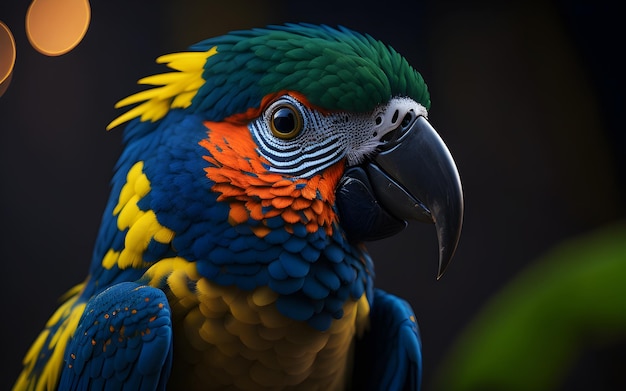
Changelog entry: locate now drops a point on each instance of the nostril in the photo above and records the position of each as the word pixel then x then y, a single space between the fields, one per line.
pixel 395 117
pixel 406 121
pixel 401 128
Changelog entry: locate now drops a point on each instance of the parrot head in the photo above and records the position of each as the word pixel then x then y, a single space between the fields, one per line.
pixel 312 129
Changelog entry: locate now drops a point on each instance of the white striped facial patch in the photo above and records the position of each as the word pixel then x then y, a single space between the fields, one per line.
pixel 326 139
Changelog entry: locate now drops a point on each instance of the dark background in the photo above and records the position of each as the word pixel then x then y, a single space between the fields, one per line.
pixel 528 95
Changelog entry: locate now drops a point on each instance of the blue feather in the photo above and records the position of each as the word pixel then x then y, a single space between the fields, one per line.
pixel 326 277
pixel 292 307
pixel 345 272
pixel 221 256
pixel 294 265
pixel 277 271
pixel 309 254
pixel 299 230
pixel 246 283
pixel 334 253
pixel 320 321
pixel 207 269
pixel 287 286
pixel 314 289
pixel 277 236
pixel 295 244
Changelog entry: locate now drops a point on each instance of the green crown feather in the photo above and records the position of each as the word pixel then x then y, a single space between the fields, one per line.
pixel 336 69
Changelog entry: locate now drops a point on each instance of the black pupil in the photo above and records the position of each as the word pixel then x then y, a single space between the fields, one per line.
pixel 284 120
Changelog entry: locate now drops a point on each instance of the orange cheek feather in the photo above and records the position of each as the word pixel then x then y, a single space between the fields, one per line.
pixel 242 179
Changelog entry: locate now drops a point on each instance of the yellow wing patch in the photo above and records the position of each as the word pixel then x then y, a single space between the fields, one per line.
pixel 172 89
pixel 142 225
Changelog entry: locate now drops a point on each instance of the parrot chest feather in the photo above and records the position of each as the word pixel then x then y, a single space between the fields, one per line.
pixel 226 337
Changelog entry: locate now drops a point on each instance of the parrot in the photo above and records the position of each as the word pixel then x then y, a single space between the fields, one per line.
pixel 231 253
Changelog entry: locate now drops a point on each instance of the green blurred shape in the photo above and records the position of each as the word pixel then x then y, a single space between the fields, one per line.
pixel 532 333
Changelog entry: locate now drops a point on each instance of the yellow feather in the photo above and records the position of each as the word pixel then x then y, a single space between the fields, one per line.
pixel 266 376
pixel 362 316
pixel 162 79
pixel 183 100
pixel 193 323
pixel 314 345
pixel 128 214
pixel 140 231
pixel 127 116
pixel 36 347
pixel 129 259
pixel 110 259
pixel 178 282
pixel 166 266
pixel 213 332
pixel 186 61
pixel 164 235
pixel 242 311
pixel 271 318
pixel 141 96
pixel 263 296
pixel 140 181
pixel 247 333
pixel 172 89
pixel 273 334
pixel 129 188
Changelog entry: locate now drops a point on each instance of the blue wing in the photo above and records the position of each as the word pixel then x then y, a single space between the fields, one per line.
pixel 123 342
pixel 389 356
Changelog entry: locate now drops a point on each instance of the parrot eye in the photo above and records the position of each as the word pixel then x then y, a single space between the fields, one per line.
pixel 286 122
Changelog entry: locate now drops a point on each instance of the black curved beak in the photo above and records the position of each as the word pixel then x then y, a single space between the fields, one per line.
pixel 415 178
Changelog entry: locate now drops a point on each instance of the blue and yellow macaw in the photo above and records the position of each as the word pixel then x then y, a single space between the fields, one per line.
pixel 230 255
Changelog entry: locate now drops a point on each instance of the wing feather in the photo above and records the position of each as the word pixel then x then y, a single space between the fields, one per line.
pixel 123 339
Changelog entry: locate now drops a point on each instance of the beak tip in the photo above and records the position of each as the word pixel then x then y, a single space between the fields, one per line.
pixel 448 236
pixel 444 261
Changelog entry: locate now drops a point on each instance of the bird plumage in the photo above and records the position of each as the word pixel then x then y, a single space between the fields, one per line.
pixel 221 261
